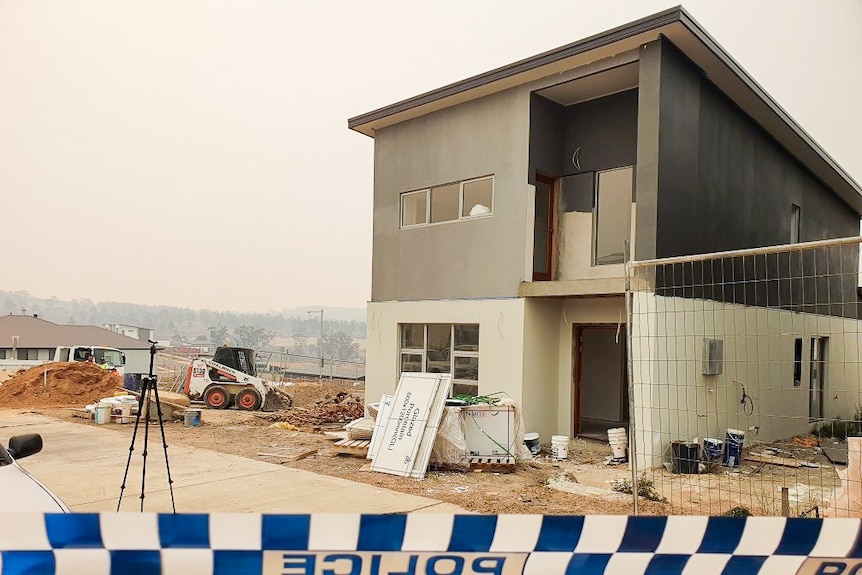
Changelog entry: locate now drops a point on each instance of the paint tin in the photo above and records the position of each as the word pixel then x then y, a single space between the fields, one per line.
pixel 531 440
pixel 192 417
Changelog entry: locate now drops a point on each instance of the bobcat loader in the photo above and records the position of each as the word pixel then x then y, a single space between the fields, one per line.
pixel 230 377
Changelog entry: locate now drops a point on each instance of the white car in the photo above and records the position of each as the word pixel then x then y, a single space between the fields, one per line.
pixel 22 491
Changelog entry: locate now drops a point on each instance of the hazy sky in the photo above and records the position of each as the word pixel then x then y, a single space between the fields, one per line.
pixel 195 152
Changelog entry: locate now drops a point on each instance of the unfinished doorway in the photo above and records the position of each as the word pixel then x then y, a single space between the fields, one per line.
pixel 600 380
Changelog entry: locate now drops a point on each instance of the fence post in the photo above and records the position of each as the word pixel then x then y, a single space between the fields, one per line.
pixel 633 461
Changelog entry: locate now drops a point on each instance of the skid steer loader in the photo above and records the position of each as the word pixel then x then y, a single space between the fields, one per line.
pixel 230 377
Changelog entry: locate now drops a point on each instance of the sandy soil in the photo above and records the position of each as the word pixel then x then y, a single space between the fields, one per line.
pixel 527 490
pixel 578 485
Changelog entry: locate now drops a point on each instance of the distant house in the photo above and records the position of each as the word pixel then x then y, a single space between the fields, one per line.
pixel 27 340
pixel 141 333
pixel 503 204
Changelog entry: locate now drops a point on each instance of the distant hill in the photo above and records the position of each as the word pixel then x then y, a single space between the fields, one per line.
pixel 169 321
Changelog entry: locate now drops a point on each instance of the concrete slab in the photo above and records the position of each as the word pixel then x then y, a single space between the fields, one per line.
pixel 84 465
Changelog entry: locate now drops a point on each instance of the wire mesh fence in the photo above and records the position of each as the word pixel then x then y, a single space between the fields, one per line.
pixel 290 367
pixel 744 380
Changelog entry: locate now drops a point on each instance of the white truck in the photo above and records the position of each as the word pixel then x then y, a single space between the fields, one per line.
pixel 110 356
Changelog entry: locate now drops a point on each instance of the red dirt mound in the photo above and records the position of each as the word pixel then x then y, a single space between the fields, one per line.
pixel 72 384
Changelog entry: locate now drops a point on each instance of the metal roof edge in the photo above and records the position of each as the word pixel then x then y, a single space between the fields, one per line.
pixel 645 24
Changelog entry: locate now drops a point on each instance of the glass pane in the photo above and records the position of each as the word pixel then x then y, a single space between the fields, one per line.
pixel 465 389
pixel 542 228
pixel 411 362
pixel 412 336
pixel 467 337
pixel 613 215
pixel 444 203
pixel 467 368
pixel 477 198
pixel 413 208
pixel 439 348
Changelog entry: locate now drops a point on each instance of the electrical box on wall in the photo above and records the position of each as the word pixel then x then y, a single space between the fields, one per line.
pixel 713 356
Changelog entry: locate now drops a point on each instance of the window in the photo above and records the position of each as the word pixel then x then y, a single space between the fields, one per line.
pixel 444 203
pixel 797 362
pixel 414 208
pixel 448 203
pixel 795 219
pixel 443 348
pixel 28 354
pixel 3 354
pixel 612 215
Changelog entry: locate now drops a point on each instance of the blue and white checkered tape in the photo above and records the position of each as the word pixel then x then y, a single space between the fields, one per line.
pixel 354 544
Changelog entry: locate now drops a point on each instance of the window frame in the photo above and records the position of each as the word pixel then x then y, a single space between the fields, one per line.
pixel 595 232
pixel 453 354
pixel 427 192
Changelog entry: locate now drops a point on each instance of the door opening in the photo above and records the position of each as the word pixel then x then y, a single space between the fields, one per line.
pixel 600 380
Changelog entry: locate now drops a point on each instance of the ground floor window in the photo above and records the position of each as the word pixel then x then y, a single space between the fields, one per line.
pixel 443 348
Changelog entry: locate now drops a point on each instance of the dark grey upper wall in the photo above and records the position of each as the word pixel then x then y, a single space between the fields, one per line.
pixel 723 182
pixel 605 129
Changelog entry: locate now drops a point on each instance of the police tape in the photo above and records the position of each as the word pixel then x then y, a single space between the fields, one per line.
pixel 354 544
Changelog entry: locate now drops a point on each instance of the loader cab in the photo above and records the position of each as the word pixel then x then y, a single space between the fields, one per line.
pixel 239 358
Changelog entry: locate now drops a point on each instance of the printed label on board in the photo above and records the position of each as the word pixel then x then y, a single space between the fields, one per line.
pixel 391 563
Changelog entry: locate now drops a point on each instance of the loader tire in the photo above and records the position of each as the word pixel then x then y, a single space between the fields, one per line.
pixel 248 399
pixel 216 397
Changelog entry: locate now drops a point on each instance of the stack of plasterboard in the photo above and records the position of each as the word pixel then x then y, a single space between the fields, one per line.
pixel 407 425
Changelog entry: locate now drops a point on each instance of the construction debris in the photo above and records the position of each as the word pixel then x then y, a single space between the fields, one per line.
pixel 327 416
pixel 59 384
pixel 361 428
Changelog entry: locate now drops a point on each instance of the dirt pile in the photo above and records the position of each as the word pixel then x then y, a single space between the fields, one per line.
pixel 59 385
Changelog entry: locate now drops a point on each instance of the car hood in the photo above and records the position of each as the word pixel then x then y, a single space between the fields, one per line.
pixel 23 493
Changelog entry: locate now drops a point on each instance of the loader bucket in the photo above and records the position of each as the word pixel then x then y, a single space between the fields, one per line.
pixel 276 399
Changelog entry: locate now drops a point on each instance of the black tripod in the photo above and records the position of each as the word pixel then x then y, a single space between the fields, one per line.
pixel 149 389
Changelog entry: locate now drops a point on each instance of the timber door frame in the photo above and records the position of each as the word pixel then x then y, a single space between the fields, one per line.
pixel 553 185
pixel 577 332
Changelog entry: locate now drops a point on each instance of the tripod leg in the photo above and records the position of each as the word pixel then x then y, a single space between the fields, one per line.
pixel 165 446
pixel 146 445
pixel 131 449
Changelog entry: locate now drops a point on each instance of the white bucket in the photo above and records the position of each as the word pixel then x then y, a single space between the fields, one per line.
pixel 560 447
pixel 103 413
pixel 618 441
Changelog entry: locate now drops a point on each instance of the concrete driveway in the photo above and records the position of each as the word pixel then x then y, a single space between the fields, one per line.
pixel 84 465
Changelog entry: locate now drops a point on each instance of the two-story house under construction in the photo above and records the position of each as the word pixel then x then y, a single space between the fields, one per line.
pixel 504 205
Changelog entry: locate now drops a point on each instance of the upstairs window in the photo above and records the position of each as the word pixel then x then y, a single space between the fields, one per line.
pixel 452 202
pixel 612 215
pixel 795 219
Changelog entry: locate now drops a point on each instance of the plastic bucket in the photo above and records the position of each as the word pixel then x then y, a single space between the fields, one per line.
pixel 192 417
pixel 733 447
pixel 560 447
pixel 531 440
pixel 618 441
pixel 686 457
pixel 103 413
pixel 712 448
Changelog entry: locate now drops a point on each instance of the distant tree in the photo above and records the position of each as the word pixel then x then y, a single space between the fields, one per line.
pixel 300 344
pixel 218 334
pixel 254 337
pixel 339 345
pixel 201 338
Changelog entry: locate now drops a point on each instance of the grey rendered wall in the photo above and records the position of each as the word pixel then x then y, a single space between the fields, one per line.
pixel 484 257
pixel 723 182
